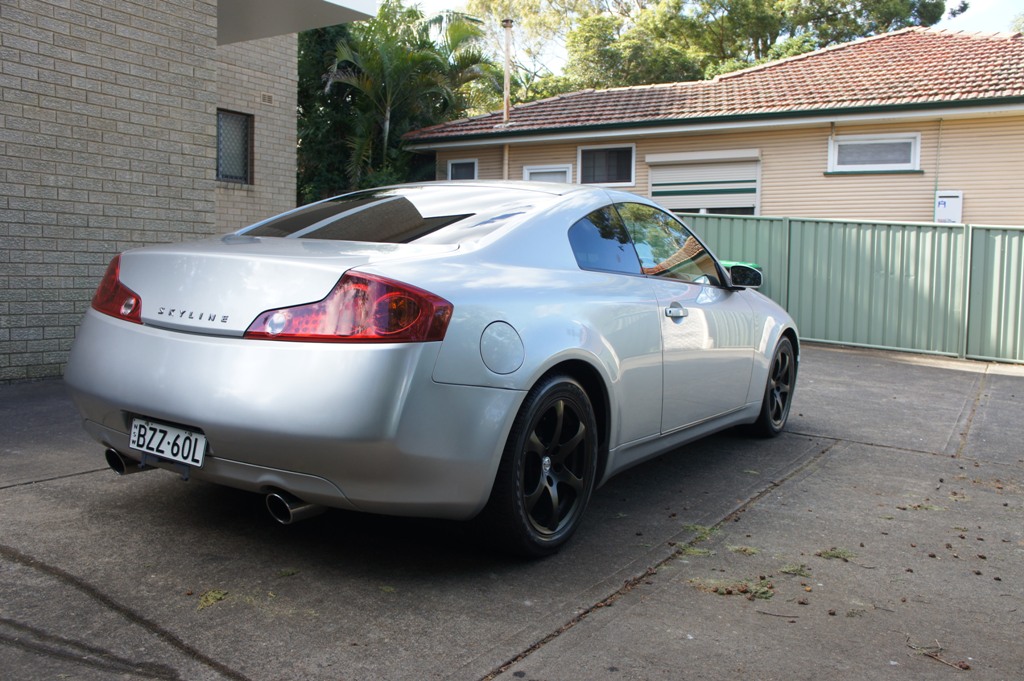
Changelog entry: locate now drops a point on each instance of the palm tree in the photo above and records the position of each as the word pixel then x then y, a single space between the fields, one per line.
pixel 460 39
pixel 401 80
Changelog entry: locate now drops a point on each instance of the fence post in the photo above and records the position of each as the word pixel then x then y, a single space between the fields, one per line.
pixel 787 232
pixel 965 300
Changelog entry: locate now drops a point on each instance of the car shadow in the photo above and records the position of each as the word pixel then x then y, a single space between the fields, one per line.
pixel 640 510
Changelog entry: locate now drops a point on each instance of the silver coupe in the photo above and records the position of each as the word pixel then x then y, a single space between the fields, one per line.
pixel 461 350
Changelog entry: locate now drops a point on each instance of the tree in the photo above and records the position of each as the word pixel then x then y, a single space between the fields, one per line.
pixel 681 39
pixel 540 29
pixel 461 51
pixel 838 21
pixel 379 79
pixel 324 118
pixel 395 82
pixel 602 54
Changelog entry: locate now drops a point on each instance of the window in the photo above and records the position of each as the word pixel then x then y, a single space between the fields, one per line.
pixel 462 170
pixel 606 165
pixel 234 147
pixel 600 242
pixel 559 173
pixel 666 247
pixel 875 153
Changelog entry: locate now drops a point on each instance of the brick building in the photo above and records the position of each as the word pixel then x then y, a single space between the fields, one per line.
pixel 125 123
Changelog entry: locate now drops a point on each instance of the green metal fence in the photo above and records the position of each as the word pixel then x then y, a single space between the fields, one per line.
pixel 953 290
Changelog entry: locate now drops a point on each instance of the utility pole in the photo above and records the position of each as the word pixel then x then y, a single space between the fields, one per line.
pixel 507 25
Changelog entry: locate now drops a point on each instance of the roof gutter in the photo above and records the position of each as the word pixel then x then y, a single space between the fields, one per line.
pixel 707 124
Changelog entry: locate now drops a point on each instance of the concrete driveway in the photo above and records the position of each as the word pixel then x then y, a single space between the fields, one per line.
pixel 881 536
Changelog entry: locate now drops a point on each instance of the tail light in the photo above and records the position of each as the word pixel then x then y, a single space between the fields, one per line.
pixel 361 308
pixel 114 298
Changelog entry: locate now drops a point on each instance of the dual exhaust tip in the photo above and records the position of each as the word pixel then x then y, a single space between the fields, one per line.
pixel 122 465
pixel 284 507
pixel 287 508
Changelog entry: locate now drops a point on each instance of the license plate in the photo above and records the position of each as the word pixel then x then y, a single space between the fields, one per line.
pixel 168 442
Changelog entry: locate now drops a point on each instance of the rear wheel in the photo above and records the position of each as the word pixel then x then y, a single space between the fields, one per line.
pixel 778 391
pixel 547 471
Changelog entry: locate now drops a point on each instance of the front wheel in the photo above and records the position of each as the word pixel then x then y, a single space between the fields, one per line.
pixel 778 392
pixel 547 471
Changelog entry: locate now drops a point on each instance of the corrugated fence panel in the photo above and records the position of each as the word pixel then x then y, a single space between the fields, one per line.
pixel 764 241
pixel 896 286
pixel 899 286
pixel 996 325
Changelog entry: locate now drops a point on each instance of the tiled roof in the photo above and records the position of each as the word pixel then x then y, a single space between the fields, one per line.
pixel 910 67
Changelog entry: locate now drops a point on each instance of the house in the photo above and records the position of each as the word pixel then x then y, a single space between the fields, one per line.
pixel 124 123
pixel 915 125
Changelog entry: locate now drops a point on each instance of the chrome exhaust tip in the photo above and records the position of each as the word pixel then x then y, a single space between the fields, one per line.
pixel 123 465
pixel 287 508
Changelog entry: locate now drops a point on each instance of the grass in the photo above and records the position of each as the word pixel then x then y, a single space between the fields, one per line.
pixel 745 550
pixel 208 598
pixel 836 553
pixel 703 533
pixel 797 570
pixel 760 589
pixel 694 551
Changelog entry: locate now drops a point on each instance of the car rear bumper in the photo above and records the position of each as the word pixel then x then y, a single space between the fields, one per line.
pixel 358 426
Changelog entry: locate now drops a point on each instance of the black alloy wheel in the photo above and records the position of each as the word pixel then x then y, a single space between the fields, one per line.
pixel 547 472
pixel 778 392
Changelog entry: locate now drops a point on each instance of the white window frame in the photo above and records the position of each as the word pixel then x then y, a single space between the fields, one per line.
pixel 560 168
pixel 915 161
pixel 476 166
pixel 595 147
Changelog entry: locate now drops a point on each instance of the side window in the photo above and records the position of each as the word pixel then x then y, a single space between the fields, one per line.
pixel 559 173
pixel 666 247
pixel 607 165
pixel 600 242
pixel 873 153
pixel 234 147
pixel 462 170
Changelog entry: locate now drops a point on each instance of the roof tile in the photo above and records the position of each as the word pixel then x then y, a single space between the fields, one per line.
pixel 913 66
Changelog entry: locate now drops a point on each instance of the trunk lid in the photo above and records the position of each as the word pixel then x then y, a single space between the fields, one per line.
pixel 219 286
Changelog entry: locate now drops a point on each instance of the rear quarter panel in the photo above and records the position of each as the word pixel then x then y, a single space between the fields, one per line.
pixel 528 278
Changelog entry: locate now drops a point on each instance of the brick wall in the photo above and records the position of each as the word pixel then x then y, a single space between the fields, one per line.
pixel 260 78
pixel 108 141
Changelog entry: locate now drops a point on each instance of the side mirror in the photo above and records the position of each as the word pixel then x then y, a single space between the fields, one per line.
pixel 744 276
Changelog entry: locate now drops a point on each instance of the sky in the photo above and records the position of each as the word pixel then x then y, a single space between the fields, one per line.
pixel 987 16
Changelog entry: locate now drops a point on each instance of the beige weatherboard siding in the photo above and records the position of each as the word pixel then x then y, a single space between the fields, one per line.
pixel 955 154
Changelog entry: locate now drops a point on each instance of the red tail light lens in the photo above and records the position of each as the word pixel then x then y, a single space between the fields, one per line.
pixel 114 298
pixel 361 308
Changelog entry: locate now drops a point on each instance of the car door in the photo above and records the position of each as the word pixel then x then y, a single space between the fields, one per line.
pixel 707 330
pixel 629 321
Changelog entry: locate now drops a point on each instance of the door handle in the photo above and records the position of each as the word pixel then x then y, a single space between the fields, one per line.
pixel 676 312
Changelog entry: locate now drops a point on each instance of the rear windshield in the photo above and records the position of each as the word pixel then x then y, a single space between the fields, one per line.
pixel 396 215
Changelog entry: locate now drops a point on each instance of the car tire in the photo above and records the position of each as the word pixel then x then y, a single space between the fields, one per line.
pixel 547 471
pixel 778 391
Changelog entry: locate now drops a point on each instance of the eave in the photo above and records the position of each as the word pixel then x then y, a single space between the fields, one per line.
pixel 1002 106
pixel 239 20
